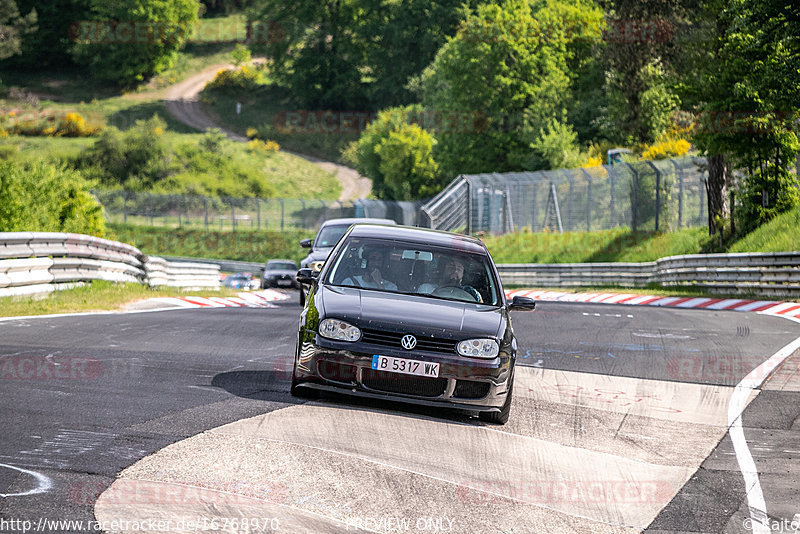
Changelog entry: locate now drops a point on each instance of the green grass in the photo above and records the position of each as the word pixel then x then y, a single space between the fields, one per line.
pixel 73 90
pixel 255 246
pixel 97 295
pixel 263 110
pixel 617 245
pixel 778 235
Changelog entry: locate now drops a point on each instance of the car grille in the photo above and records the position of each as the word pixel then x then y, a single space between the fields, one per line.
pixel 336 372
pixel 408 385
pixel 470 389
pixel 390 339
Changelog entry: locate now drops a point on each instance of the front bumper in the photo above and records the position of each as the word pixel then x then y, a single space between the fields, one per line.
pixel 477 386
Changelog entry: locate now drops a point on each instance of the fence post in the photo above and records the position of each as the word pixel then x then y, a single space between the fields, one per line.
pixel 205 208
pixel 233 214
pixel 281 201
pixel 124 206
pixel 703 198
pixel 679 172
pixel 469 207
pixel 634 201
pixel 570 204
pixel 535 206
pixel 658 191
pixel 612 176
pixel 180 222
pixel 150 207
pixel 258 213
pixel 303 213
pixel 588 199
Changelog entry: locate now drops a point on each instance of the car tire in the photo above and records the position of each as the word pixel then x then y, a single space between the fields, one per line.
pixel 501 417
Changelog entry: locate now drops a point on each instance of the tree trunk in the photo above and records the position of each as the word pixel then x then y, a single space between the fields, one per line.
pixel 716 188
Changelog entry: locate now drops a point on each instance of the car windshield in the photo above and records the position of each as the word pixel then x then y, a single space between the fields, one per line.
pixel 415 269
pixel 329 235
pixel 281 266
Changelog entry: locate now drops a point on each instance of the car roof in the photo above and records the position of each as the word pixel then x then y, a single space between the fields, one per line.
pixel 356 220
pixel 419 235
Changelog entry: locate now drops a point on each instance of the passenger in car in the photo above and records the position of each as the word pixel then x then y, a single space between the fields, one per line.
pixel 373 276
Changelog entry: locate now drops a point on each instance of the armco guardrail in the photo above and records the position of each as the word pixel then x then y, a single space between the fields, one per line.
pixel 766 274
pixel 37 262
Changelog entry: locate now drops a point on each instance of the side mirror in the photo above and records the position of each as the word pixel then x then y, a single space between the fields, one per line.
pixel 307 275
pixel 306 243
pixel 522 304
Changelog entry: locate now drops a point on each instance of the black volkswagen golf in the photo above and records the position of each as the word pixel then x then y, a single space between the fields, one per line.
pixel 409 314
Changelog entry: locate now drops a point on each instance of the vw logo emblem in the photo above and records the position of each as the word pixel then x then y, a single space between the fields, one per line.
pixel 408 342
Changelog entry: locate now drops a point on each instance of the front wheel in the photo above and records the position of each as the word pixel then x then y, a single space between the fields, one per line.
pixel 501 417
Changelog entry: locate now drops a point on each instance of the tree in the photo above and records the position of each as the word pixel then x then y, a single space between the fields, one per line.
pixel 398 155
pixel 641 36
pixel 13 27
pixel 504 75
pixel 321 53
pixel 127 41
pixel 748 108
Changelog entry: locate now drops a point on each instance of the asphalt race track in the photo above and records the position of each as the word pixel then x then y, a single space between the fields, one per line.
pixel 621 422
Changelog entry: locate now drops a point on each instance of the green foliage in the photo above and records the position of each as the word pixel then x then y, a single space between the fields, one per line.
pixel 556 148
pixel 43 197
pixel 241 80
pixel 13 27
pixel 397 155
pixel 748 100
pixel 503 79
pixel 240 55
pixel 768 192
pixel 135 159
pixel 125 42
pixel 658 102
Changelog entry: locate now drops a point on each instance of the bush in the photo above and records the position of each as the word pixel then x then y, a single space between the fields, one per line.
pixel 397 155
pixel 666 147
pixel 127 42
pixel 42 197
pixel 70 124
pixel 135 159
pixel 245 78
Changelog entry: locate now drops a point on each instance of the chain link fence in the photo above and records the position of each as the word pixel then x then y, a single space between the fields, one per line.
pixel 227 213
pixel 647 195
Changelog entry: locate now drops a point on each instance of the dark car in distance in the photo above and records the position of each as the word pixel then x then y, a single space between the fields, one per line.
pixel 409 314
pixel 327 236
pixel 280 273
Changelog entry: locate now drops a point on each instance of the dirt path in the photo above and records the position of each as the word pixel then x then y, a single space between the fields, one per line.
pixel 182 102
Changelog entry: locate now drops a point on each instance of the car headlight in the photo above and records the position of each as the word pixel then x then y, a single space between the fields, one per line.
pixel 339 330
pixel 478 348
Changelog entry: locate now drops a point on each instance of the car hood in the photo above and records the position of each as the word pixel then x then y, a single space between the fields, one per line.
pixel 393 312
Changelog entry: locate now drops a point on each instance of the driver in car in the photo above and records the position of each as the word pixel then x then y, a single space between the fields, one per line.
pixel 373 277
pixel 452 273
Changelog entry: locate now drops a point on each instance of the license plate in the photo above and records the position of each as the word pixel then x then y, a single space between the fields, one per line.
pixel 403 366
pixel 284 283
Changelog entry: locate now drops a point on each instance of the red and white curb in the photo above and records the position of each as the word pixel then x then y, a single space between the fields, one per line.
pixel 768 307
pixel 250 299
